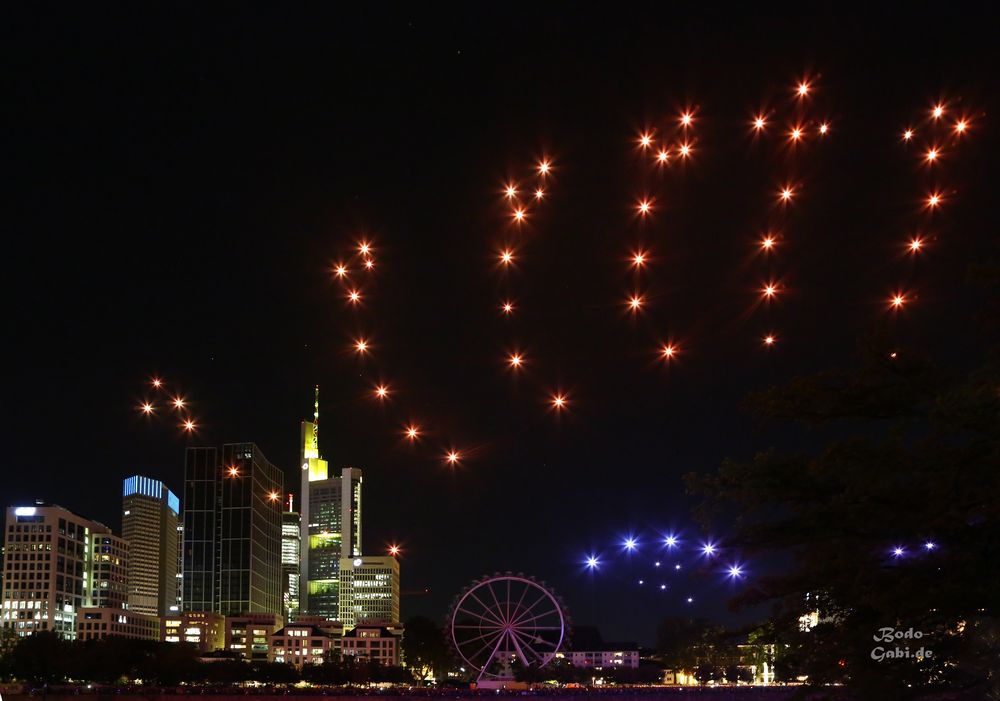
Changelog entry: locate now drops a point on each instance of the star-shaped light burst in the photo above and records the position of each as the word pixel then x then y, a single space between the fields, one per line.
pixel 824 128
pixel 644 207
pixel 510 192
pixel 381 392
pixel 506 256
pixel 803 88
pixel 685 150
pixel 759 122
pixel 592 562
pixel 709 549
pixel 544 166
pixel 539 193
pixel 519 214
pixel 915 245
pixel 630 544
pixel 364 248
pixel 146 408
pixel 769 290
pixel 515 360
pixel 897 300
pixel 662 156
pixel 668 351
pixel 340 270
pixel 507 307
pixel 767 243
pixel 453 457
pixel 686 119
pixel 938 111
pixel 179 402
pixel 908 135
pixel 361 346
pixel 786 194
pixel 934 200
pixel 670 541
pixel 930 545
pixel 932 155
pixel 412 432
pixel 189 425
pixel 645 140
pixel 960 126
pixel 795 134
pixel 354 297
pixel 393 550
pixel 735 571
pixel 273 496
pixel 639 258
pixel 770 340
pixel 635 303
pixel 558 401
pixel 156 382
pixel 898 551
pixel 369 263
pixel 233 471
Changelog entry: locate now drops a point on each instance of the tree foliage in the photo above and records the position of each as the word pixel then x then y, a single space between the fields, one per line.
pixel 911 459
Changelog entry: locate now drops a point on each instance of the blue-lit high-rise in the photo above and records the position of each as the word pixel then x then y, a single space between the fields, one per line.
pixel 149 524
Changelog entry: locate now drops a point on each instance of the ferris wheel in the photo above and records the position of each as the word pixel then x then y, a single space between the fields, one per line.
pixel 505 619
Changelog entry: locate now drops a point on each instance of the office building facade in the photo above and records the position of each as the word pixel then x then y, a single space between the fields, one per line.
pixel 330 511
pixel 291 552
pixel 49 572
pixel 369 590
pixel 232 531
pixel 150 515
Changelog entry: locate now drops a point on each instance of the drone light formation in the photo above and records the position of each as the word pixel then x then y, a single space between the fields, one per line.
pixel 147 408
pixel 361 346
pixel 510 191
pixel 178 402
pixel 156 382
pixel 759 123
pixel 393 550
pixel 824 128
pixel 786 194
pixel 340 271
pixel 507 307
pixel 938 111
pixel 558 401
pixel 630 544
pixel 354 297
pixel 381 392
pixel 644 207
pixel 412 432
pixel 189 426
pixel 592 562
pixel 645 140
pixel 915 245
pixel 735 572
pixel 908 135
pixel 803 88
pixel 544 167
pixel 453 457
pixel 635 303
pixel 639 259
pixel 662 155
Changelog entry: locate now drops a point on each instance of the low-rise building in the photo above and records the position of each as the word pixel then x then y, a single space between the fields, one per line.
pixel 300 644
pixel 248 634
pixel 204 629
pixel 94 623
pixel 378 642
pixel 606 656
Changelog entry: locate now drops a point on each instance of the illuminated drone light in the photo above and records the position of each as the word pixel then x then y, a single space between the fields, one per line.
pixel 394 550
pixel 938 111
pixel 708 549
pixel 735 571
pixel 908 135
pixel 930 545
pixel 412 432
pixel 453 457
pixel 629 543
pixel 147 408
pixel 670 541
pixel 593 562
pixel 898 551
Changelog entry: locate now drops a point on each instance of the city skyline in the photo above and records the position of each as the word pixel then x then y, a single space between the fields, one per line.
pixel 189 219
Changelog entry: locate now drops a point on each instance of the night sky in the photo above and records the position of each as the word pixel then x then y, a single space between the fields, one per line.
pixel 180 184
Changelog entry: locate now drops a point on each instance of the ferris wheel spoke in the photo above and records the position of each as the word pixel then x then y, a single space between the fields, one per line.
pixel 525 644
pixel 471 659
pixel 493 654
pixel 517 648
pixel 479 616
pixel 546 614
pixel 499 608
pixel 487 611
pixel 523 614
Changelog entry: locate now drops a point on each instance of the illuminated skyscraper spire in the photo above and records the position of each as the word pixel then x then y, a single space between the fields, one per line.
pixel 316 415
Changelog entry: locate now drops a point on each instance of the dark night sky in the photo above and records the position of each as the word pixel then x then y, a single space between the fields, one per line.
pixel 180 183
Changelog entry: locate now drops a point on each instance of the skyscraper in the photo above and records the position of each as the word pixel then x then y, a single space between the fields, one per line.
pixel 149 524
pixel 232 531
pixel 49 569
pixel 291 538
pixel 330 510
pixel 369 590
